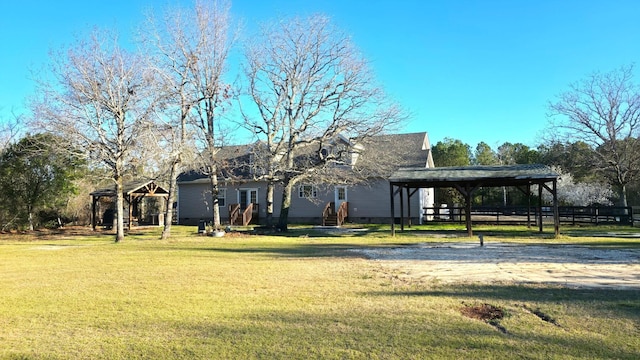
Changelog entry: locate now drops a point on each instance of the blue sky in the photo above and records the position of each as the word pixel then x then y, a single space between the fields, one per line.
pixel 480 70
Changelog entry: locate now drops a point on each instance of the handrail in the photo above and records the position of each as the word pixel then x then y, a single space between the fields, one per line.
pixel 328 209
pixel 343 212
pixel 234 213
pixel 247 214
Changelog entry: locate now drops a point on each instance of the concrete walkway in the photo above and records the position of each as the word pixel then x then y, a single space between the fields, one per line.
pixel 566 265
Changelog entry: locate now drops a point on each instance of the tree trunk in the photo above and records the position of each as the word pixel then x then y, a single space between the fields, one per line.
pixel 213 178
pixel 31 227
pixel 622 193
pixel 119 209
pixel 171 198
pixel 269 201
pixel 286 205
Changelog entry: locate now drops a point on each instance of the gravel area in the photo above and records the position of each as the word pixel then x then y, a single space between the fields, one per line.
pixel 566 265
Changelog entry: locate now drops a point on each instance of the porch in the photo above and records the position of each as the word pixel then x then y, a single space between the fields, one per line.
pixel 335 216
pixel 244 215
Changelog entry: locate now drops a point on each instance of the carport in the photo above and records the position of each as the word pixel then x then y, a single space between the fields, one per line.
pixel 467 179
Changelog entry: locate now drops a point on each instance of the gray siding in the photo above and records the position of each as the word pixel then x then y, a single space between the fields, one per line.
pixel 367 203
pixel 370 203
pixel 194 202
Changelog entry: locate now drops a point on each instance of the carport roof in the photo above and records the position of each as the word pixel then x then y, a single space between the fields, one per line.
pixel 495 175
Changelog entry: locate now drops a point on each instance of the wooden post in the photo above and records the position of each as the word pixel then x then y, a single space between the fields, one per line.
pixel 540 207
pixel 393 211
pixel 528 206
pixel 466 192
pixel 556 215
pixel 130 211
pixel 401 209
pixel 408 207
pixel 94 201
pixel 467 210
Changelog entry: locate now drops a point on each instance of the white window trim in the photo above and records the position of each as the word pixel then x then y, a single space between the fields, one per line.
pixel 222 194
pixel 313 193
pixel 238 190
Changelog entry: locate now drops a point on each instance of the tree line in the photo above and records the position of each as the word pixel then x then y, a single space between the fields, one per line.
pixel 582 180
pixel 169 101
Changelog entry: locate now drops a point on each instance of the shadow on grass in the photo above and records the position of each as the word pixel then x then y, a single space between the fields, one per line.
pixel 342 250
pixel 624 301
pixel 596 302
pixel 315 232
pixel 498 233
pixel 281 334
pixel 399 332
pixel 623 232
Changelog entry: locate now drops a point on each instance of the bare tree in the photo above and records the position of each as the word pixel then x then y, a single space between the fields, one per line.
pixel 165 43
pixel 189 48
pixel 307 85
pixel 10 130
pixel 603 111
pixel 97 100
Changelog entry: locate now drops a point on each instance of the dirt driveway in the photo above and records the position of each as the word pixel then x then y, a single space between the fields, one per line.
pixel 567 265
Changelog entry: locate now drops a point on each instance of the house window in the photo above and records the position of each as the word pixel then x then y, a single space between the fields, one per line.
pixel 222 197
pixel 307 191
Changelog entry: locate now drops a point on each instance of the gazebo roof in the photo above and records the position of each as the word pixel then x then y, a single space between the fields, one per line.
pixel 139 188
pixel 496 175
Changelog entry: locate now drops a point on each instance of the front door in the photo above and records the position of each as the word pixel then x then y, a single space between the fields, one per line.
pixel 341 196
pixel 246 197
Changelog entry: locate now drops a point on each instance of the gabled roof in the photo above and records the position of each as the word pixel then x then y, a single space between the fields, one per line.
pixel 387 152
pixel 233 161
pixel 402 150
pixel 148 187
pixel 497 175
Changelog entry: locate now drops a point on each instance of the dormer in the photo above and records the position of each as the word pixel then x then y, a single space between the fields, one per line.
pixel 341 151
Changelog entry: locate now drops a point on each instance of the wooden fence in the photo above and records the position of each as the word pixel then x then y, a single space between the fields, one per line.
pixel 522 215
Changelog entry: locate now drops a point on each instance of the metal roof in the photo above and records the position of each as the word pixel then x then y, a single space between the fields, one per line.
pixel 495 175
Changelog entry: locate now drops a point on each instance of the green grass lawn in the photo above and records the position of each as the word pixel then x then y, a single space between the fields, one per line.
pixel 302 295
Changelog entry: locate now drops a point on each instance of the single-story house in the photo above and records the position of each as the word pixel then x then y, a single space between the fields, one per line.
pixel 312 203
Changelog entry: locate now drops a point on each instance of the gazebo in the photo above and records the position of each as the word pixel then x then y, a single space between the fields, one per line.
pixel 467 179
pixel 134 193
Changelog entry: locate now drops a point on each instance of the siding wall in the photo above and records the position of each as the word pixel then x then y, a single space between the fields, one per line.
pixel 367 203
